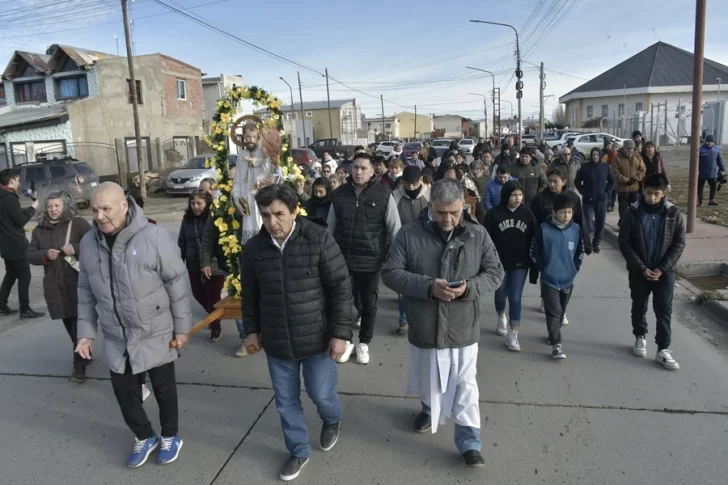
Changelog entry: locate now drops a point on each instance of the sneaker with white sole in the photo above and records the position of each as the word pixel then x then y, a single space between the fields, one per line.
pixel 169 449
pixel 141 451
pixel 512 342
pixel 640 347
pixel 145 392
pixel 292 468
pixel 502 326
pixel 362 353
pixel 541 308
pixel 564 321
pixel 348 349
pixel 242 350
pixel 557 353
pixel 664 358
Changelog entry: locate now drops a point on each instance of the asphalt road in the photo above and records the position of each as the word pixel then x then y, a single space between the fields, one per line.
pixel 600 417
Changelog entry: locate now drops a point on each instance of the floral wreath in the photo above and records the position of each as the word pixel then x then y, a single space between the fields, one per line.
pixel 223 210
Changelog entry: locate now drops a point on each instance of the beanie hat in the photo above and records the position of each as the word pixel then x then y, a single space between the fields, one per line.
pixel 710 139
pixel 636 133
pixel 411 173
pixel 628 144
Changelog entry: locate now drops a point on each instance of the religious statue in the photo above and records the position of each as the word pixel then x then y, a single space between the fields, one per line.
pixel 257 167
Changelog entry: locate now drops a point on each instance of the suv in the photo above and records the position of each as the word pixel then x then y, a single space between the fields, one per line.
pixel 65 173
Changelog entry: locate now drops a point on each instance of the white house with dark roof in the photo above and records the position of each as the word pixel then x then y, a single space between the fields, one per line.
pixel 651 92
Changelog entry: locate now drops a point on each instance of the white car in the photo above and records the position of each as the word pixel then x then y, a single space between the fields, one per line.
pixel 386 147
pixel 585 142
pixel 466 146
pixel 564 137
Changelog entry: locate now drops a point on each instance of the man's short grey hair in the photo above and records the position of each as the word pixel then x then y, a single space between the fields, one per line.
pixel 69 206
pixel 447 191
pixel 562 149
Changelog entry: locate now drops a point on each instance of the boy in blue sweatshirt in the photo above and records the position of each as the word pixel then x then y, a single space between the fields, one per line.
pixel 557 251
pixel 652 239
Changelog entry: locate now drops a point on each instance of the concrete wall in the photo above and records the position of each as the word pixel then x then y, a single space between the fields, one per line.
pixel 448 124
pixel 320 122
pixel 425 125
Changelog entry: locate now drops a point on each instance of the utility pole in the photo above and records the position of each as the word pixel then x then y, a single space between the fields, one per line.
pixel 328 100
pixel 381 97
pixel 665 129
pixel 303 120
pixel 134 102
pixel 541 120
pixel 415 132
pixel 652 121
pixel 699 53
pixel 718 89
pixel 679 105
pixel 496 97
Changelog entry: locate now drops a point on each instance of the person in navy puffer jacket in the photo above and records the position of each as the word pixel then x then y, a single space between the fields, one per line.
pixel 595 182
pixel 557 251
pixel 492 193
pixel 711 167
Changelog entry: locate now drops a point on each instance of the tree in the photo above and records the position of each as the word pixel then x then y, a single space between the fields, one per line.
pixel 559 117
pixel 318 131
pixel 598 122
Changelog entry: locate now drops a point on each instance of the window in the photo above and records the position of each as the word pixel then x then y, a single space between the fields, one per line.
pixel 73 87
pixel 181 89
pixel 34 174
pixel 30 92
pixel 140 98
pixel 19 153
pixel 605 111
pixel 620 110
pixel 388 125
pixel 58 171
pixel 309 114
pixel 84 169
pixel 638 106
pixel 590 112
pixel 3 101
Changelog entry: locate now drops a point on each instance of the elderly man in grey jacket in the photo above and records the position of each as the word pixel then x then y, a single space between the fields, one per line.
pixel 444 264
pixel 133 284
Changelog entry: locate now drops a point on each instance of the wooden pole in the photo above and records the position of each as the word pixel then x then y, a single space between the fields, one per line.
pixel 696 119
pixel 134 102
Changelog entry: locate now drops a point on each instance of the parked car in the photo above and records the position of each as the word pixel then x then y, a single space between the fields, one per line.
pixel 530 139
pixel 187 178
pixel 563 138
pixel 410 148
pixel 466 146
pixel 386 147
pixel 442 142
pixel 584 143
pixel 304 156
pixel 64 173
pixel 333 146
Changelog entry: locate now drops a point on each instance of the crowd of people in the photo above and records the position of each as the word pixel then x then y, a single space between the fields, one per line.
pixel 441 233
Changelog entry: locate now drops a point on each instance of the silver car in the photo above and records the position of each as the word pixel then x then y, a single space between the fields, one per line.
pixel 76 178
pixel 187 178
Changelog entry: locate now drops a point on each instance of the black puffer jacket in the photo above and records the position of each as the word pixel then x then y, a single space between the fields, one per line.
pixel 190 237
pixel 13 241
pixel 299 299
pixel 671 242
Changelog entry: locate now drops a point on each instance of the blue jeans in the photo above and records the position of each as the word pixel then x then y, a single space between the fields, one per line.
pixel 596 218
pixel 402 315
pixel 466 437
pixel 319 379
pixel 512 290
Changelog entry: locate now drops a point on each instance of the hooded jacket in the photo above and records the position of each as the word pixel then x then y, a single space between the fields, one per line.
pixel 137 292
pixel 299 298
pixel 418 256
pixel 628 169
pixel 409 209
pixel 531 178
pixel 319 208
pixel 13 242
pixel 670 240
pixel 595 181
pixel 511 231
pixel 543 206
pixel 711 162
pixel 558 253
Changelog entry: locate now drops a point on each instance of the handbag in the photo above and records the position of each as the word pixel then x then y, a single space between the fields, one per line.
pixel 71 260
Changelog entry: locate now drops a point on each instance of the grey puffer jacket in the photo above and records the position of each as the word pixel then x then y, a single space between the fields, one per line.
pixel 137 292
pixel 418 256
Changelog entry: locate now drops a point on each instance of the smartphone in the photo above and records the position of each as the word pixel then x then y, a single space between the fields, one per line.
pixel 456 284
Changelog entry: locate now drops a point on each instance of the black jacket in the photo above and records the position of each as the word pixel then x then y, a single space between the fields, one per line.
pixel 298 299
pixel 317 208
pixel 594 181
pixel 542 208
pixel 512 233
pixel 189 241
pixel 671 242
pixel 13 242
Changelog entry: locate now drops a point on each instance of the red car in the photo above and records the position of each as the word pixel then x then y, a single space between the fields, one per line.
pixel 304 156
pixel 409 149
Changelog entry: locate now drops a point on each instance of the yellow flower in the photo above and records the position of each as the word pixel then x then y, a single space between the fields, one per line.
pixel 236 225
pixel 302 212
pixel 218 130
pixel 284 171
pixel 273 104
pixel 276 117
pixel 216 204
pixel 282 133
pixel 284 147
pixel 290 159
pixel 295 169
pixel 258 95
pixel 222 198
pixel 231 210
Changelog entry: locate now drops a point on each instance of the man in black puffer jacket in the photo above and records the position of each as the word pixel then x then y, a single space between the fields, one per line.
pixel 296 298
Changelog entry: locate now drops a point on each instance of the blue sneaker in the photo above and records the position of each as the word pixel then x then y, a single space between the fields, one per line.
pixel 141 451
pixel 169 451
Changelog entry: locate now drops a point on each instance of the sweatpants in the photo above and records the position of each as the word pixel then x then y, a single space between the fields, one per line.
pixel 366 283
pixel 554 305
pixel 662 292
pixel 128 392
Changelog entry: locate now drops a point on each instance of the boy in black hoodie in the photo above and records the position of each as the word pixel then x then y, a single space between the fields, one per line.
pixel 652 239
pixel 511 226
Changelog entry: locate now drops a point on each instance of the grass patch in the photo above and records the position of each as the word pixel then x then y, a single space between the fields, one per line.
pixel 679 178
pixel 709 296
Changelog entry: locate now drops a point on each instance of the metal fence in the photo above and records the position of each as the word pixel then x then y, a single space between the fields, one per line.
pixel 663 123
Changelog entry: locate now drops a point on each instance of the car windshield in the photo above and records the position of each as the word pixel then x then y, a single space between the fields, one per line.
pixel 441 143
pixel 195 163
pixel 412 146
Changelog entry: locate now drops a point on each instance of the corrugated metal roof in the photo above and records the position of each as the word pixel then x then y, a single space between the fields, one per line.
pixel 310 105
pixel 82 57
pixel 660 65
pixel 38 62
pixel 25 116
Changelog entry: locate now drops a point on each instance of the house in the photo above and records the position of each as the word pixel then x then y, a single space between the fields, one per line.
pixel 345 119
pixel 78 102
pixel 414 130
pixel 452 126
pixel 651 92
pixel 384 128
pixel 213 90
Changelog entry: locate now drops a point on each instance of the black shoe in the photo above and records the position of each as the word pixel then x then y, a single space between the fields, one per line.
pixel 79 374
pixel 292 468
pixel 610 208
pixel 595 248
pixel 329 435
pixel 473 459
pixel 403 329
pixel 423 423
pixel 28 314
pixel 5 310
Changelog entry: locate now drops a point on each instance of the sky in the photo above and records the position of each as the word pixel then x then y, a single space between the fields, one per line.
pixel 410 52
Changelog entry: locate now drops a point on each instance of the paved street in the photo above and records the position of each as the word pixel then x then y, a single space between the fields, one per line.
pixel 600 417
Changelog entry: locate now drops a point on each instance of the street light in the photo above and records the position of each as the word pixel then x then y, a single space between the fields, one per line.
pixel 493 97
pixel 485 110
pixel 519 73
pixel 292 116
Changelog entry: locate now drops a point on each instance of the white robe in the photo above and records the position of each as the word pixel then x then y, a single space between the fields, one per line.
pixel 444 379
pixel 252 168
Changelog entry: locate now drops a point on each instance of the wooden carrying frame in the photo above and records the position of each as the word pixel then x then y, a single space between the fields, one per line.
pixel 227 308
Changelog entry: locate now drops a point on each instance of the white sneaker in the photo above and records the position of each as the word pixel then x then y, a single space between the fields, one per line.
pixel 145 392
pixel 557 353
pixel 640 347
pixel 347 353
pixel 564 321
pixel 541 308
pixel 362 353
pixel 502 327
pixel 512 342
pixel 664 357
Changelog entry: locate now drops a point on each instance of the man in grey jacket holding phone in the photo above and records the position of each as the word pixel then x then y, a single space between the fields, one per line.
pixel 444 264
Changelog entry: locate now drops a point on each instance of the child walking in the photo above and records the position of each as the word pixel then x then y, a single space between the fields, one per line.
pixel 206 286
pixel 511 226
pixel 652 239
pixel 557 252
